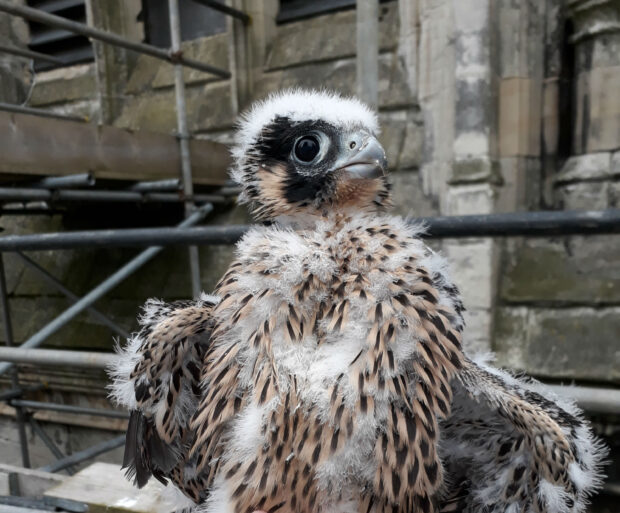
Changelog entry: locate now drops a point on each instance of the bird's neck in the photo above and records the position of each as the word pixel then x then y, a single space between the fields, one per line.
pixel 310 222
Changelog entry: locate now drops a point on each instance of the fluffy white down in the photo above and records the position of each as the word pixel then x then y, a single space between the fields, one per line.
pixel 299 105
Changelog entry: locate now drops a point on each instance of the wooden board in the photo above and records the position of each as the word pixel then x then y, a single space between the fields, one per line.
pixel 104 488
pixel 32 145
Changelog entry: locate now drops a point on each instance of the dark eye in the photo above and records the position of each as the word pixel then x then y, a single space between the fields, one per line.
pixel 307 148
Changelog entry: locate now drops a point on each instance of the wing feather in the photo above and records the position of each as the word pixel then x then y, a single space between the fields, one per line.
pixel 157 378
pixel 513 446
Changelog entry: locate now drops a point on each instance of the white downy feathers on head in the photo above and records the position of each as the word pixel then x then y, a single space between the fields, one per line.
pixel 298 105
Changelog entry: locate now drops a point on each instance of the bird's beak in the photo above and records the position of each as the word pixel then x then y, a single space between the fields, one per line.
pixel 363 157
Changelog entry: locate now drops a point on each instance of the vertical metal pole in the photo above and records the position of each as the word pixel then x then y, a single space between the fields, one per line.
pixel 367 61
pixel 8 335
pixel 183 134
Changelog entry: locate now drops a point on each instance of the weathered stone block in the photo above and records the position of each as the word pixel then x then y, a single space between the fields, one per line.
pixel 143 73
pixel 614 194
pixel 597 125
pixel 408 195
pixel 65 85
pixel 149 73
pixel 212 49
pixel 326 38
pixel 583 196
pixel 478 332
pixel 591 166
pixel 475 169
pixel 519 117
pixel 402 137
pixel 575 343
pixel 470 199
pixel 473 264
pixel 340 76
pixel 519 43
pixel 521 184
pixel 572 271
pixel 615 164
pixel 156 111
pixel 551 115
pixel 601 51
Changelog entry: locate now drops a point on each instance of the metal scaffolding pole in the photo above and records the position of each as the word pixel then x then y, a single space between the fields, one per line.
pixel 29 54
pixel 60 357
pixel 532 224
pixel 170 184
pixel 592 399
pixel 104 319
pixel 100 290
pixel 183 134
pixel 8 107
pixel 84 455
pixel 367 57
pixel 107 37
pixel 123 196
pixel 8 335
pixel 69 408
pixel 65 182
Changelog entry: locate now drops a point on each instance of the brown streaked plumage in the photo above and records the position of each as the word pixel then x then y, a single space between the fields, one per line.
pixel 326 373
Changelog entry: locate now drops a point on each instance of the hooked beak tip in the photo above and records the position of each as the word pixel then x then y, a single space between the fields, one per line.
pixel 368 161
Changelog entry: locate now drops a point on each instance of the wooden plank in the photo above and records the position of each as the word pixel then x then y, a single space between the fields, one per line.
pixel 32 482
pixel 32 145
pixel 104 488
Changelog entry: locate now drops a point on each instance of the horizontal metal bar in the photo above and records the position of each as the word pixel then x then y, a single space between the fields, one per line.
pixel 546 223
pixel 65 182
pixel 229 191
pixel 104 319
pixel 123 196
pixel 8 107
pixel 495 225
pixel 68 408
pixel 592 399
pixel 125 237
pixel 218 6
pixel 84 455
pixel 173 184
pixel 84 359
pixel 169 197
pixel 29 54
pixel 107 37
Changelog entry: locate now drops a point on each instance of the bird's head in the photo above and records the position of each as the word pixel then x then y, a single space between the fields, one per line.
pixel 302 154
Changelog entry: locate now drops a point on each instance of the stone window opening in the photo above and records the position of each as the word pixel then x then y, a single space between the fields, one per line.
pixel 294 10
pixel 196 21
pixel 69 47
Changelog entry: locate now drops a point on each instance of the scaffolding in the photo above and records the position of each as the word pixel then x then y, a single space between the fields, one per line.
pixel 78 187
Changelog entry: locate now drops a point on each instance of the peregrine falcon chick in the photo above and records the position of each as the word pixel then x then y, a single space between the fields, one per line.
pixel 326 373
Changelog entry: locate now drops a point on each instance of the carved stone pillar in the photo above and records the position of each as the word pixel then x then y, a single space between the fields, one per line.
pixel 585 180
pixel 597 72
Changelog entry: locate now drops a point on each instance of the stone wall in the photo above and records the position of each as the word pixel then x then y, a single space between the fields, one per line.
pixel 486 106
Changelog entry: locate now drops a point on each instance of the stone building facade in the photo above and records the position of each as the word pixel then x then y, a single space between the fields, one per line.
pixel 486 106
